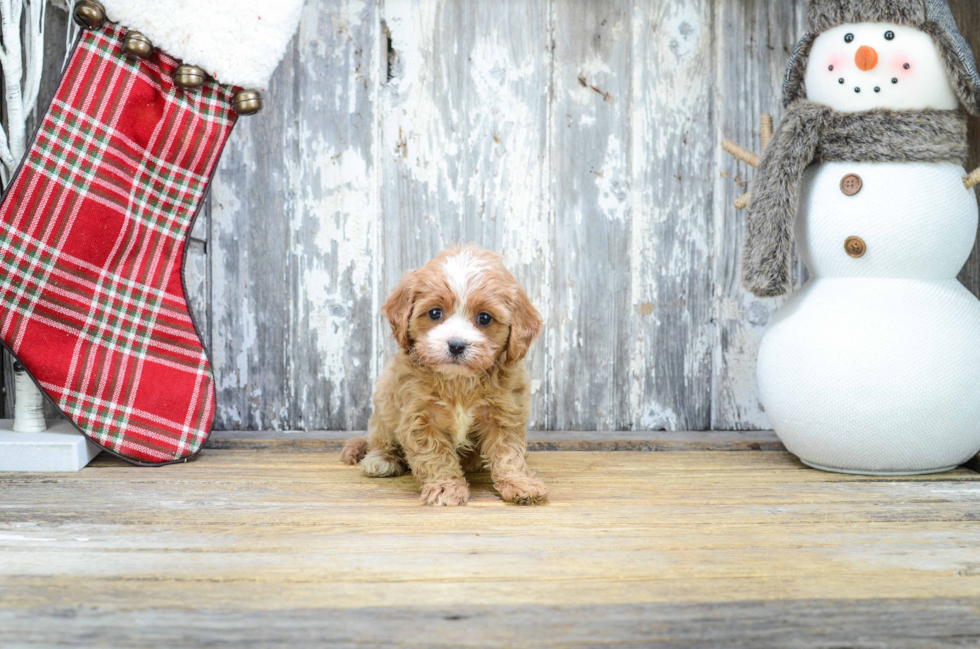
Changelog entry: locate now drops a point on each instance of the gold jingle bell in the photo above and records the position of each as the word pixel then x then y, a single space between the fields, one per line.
pixel 137 46
pixel 89 14
pixel 189 77
pixel 248 102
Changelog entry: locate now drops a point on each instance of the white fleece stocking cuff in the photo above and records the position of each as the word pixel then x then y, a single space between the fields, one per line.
pixel 239 42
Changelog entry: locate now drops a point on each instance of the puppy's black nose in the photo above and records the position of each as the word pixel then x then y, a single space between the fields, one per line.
pixel 457 347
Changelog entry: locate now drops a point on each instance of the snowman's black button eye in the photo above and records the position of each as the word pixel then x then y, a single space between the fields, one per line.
pixel 889 36
pixel 842 81
pixel 849 38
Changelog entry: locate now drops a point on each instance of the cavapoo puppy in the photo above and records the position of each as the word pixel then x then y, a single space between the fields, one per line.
pixel 456 396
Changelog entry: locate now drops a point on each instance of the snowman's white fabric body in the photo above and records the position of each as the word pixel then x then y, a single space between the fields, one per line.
pixel 874 365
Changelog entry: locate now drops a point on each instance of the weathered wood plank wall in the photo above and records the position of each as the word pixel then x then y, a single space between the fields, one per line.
pixel 752 45
pixel 578 137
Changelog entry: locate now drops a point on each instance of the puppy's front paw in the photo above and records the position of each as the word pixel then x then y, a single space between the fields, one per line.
pixel 382 464
pixel 354 450
pixel 522 490
pixel 445 493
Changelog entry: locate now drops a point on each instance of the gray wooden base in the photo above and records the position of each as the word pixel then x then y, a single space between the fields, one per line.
pixel 276 546
pixel 327 441
pixel 59 449
pixel 805 624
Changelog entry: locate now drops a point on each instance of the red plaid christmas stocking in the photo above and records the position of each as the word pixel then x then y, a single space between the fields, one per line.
pixel 92 236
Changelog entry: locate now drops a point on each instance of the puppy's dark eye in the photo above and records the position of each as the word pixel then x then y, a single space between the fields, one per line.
pixel 889 36
pixel 435 314
pixel 849 38
pixel 484 319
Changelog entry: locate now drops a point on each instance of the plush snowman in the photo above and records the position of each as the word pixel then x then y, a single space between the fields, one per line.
pixel 874 365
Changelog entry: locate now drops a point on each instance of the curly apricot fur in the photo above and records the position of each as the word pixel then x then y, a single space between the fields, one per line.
pixel 441 416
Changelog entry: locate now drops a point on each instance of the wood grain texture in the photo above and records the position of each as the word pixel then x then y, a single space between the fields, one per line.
pixel 465 143
pixel 754 40
pixel 892 623
pixel 967 15
pixel 197 272
pixel 671 310
pixel 245 547
pixel 294 232
pixel 590 315
pixel 331 441
pixel 765 624
pixel 579 138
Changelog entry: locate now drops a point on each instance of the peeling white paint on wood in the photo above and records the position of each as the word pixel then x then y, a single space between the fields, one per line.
pixel 577 137
pixel 753 42
pixel 294 236
pixel 464 154
pixel 671 297
pixel 590 319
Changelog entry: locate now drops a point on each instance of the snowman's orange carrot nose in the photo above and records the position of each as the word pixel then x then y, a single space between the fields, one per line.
pixel 866 58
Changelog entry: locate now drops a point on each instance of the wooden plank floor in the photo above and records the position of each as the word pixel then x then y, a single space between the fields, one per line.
pixel 263 547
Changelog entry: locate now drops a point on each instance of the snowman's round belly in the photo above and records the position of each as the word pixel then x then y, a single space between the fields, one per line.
pixel 915 220
pixel 873 375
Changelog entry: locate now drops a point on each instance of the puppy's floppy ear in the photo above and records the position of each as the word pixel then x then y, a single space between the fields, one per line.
pixel 398 310
pixel 525 326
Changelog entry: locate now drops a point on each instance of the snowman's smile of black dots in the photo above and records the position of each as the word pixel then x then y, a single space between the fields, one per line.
pixel 866 60
pixel 857 89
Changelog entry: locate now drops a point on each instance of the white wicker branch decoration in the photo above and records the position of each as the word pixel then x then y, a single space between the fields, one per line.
pixel 22 61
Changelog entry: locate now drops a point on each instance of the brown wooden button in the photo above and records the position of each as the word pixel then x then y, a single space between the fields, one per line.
pixel 855 247
pixel 851 184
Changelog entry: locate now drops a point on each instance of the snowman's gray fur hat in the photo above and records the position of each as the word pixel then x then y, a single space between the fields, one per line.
pixel 931 16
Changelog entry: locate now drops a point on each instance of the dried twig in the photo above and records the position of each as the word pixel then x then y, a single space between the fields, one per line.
pixel 752 159
pixel 767 130
pixel 741 153
pixel 972 180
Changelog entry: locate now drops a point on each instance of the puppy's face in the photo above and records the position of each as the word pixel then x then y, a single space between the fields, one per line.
pixel 462 312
